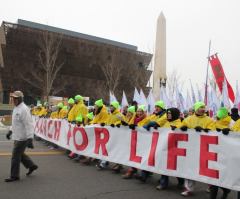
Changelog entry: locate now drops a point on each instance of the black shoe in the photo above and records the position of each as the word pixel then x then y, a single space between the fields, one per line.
pixel 31 169
pixel 11 179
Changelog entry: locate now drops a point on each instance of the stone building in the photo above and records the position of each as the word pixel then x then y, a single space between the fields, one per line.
pixel 84 59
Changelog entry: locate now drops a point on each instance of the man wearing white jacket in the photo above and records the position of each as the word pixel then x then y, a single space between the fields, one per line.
pixel 22 135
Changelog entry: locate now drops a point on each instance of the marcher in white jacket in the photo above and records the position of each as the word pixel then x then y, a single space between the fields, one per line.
pixel 22 134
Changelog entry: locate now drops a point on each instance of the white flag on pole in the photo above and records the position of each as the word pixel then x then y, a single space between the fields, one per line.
pixel 151 102
pixel 124 100
pixel 164 97
pixel 143 100
pixel 237 98
pixel 136 96
pixel 225 97
pixel 112 97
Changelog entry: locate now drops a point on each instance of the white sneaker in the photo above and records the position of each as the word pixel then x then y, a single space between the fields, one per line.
pixel 160 187
pixel 186 193
pixel 208 190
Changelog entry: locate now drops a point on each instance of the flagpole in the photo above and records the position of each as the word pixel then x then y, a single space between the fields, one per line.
pixel 206 83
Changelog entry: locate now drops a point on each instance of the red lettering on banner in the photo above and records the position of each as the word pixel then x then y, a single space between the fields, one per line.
pixel 36 126
pixel 173 150
pixel 49 126
pixel 40 127
pixel 69 134
pixel 44 127
pixel 206 156
pixel 151 158
pixel 133 153
pixel 80 147
pixel 57 125
pixel 101 142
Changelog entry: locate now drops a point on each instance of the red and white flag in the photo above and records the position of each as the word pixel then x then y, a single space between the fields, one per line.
pixel 220 76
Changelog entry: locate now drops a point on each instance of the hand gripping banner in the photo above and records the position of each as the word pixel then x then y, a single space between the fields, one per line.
pixel 220 75
pixel 212 158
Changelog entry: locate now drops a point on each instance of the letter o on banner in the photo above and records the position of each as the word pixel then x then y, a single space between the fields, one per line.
pixel 84 144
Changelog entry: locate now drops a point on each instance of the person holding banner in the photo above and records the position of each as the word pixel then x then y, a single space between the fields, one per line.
pixel 174 121
pixel 200 122
pixel 129 116
pixel 71 106
pixel 222 124
pixel 101 114
pixel 157 119
pixel 114 119
pixel 22 133
pixel 134 122
pixel 80 107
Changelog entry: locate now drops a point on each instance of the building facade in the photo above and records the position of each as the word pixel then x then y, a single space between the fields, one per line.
pixel 90 66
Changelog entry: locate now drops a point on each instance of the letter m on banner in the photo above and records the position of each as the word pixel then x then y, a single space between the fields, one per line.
pixel 220 76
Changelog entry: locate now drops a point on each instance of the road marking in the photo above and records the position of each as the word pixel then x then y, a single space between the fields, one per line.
pixel 36 153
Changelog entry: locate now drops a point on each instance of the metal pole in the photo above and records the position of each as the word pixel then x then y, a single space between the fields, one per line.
pixel 206 83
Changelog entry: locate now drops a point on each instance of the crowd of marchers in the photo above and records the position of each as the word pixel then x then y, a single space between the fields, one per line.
pixel 76 112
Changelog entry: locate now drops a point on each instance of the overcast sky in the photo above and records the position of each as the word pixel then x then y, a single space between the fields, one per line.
pixel 190 26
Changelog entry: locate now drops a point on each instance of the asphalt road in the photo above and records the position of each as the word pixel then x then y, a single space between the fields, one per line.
pixel 61 178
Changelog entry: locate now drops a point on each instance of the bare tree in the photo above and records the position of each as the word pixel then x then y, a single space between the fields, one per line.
pixel 173 81
pixel 47 68
pixel 112 67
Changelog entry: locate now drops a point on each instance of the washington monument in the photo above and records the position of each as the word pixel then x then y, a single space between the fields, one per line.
pixel 159 73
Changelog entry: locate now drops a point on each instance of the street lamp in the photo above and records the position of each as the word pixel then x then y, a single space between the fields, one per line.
pixel 163 82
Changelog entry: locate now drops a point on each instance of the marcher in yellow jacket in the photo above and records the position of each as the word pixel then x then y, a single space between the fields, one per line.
pixel 43 112
pixel 101 114
pixel 62 112
pixel 131 113
pixel 236 126
pixel 38 110
pixel 54 115
pixel 173 119
pixel 223 119
pixel 139 116
pixel 222 124
pixel 70 115
pixel 173 122
pixel 89 118
pixel 80 108
pixel 157 119
pixel 200 122
pixel 115 117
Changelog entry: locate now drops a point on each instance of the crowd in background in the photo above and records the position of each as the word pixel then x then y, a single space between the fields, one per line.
pixel 136 115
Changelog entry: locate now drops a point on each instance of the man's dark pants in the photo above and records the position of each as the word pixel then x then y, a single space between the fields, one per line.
pixel 19 156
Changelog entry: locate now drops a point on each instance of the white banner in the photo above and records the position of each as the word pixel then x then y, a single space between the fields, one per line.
pixel 211 157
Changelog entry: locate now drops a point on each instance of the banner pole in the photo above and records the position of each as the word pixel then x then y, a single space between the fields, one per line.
pixel 206 83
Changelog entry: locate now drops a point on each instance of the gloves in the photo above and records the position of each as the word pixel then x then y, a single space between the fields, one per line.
pixel 124 123
pixel 206 130
pixel 132 126
pixel 184 128
pixel 156 126
pixel 30 143
pixel 218 130
pixel 147 127
pixel 102 124
pixel 118 125
pixel 198 128
pixel 8 136
pixel 173 127
pixel 225 131
pixel 112 125
pixel 151 124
